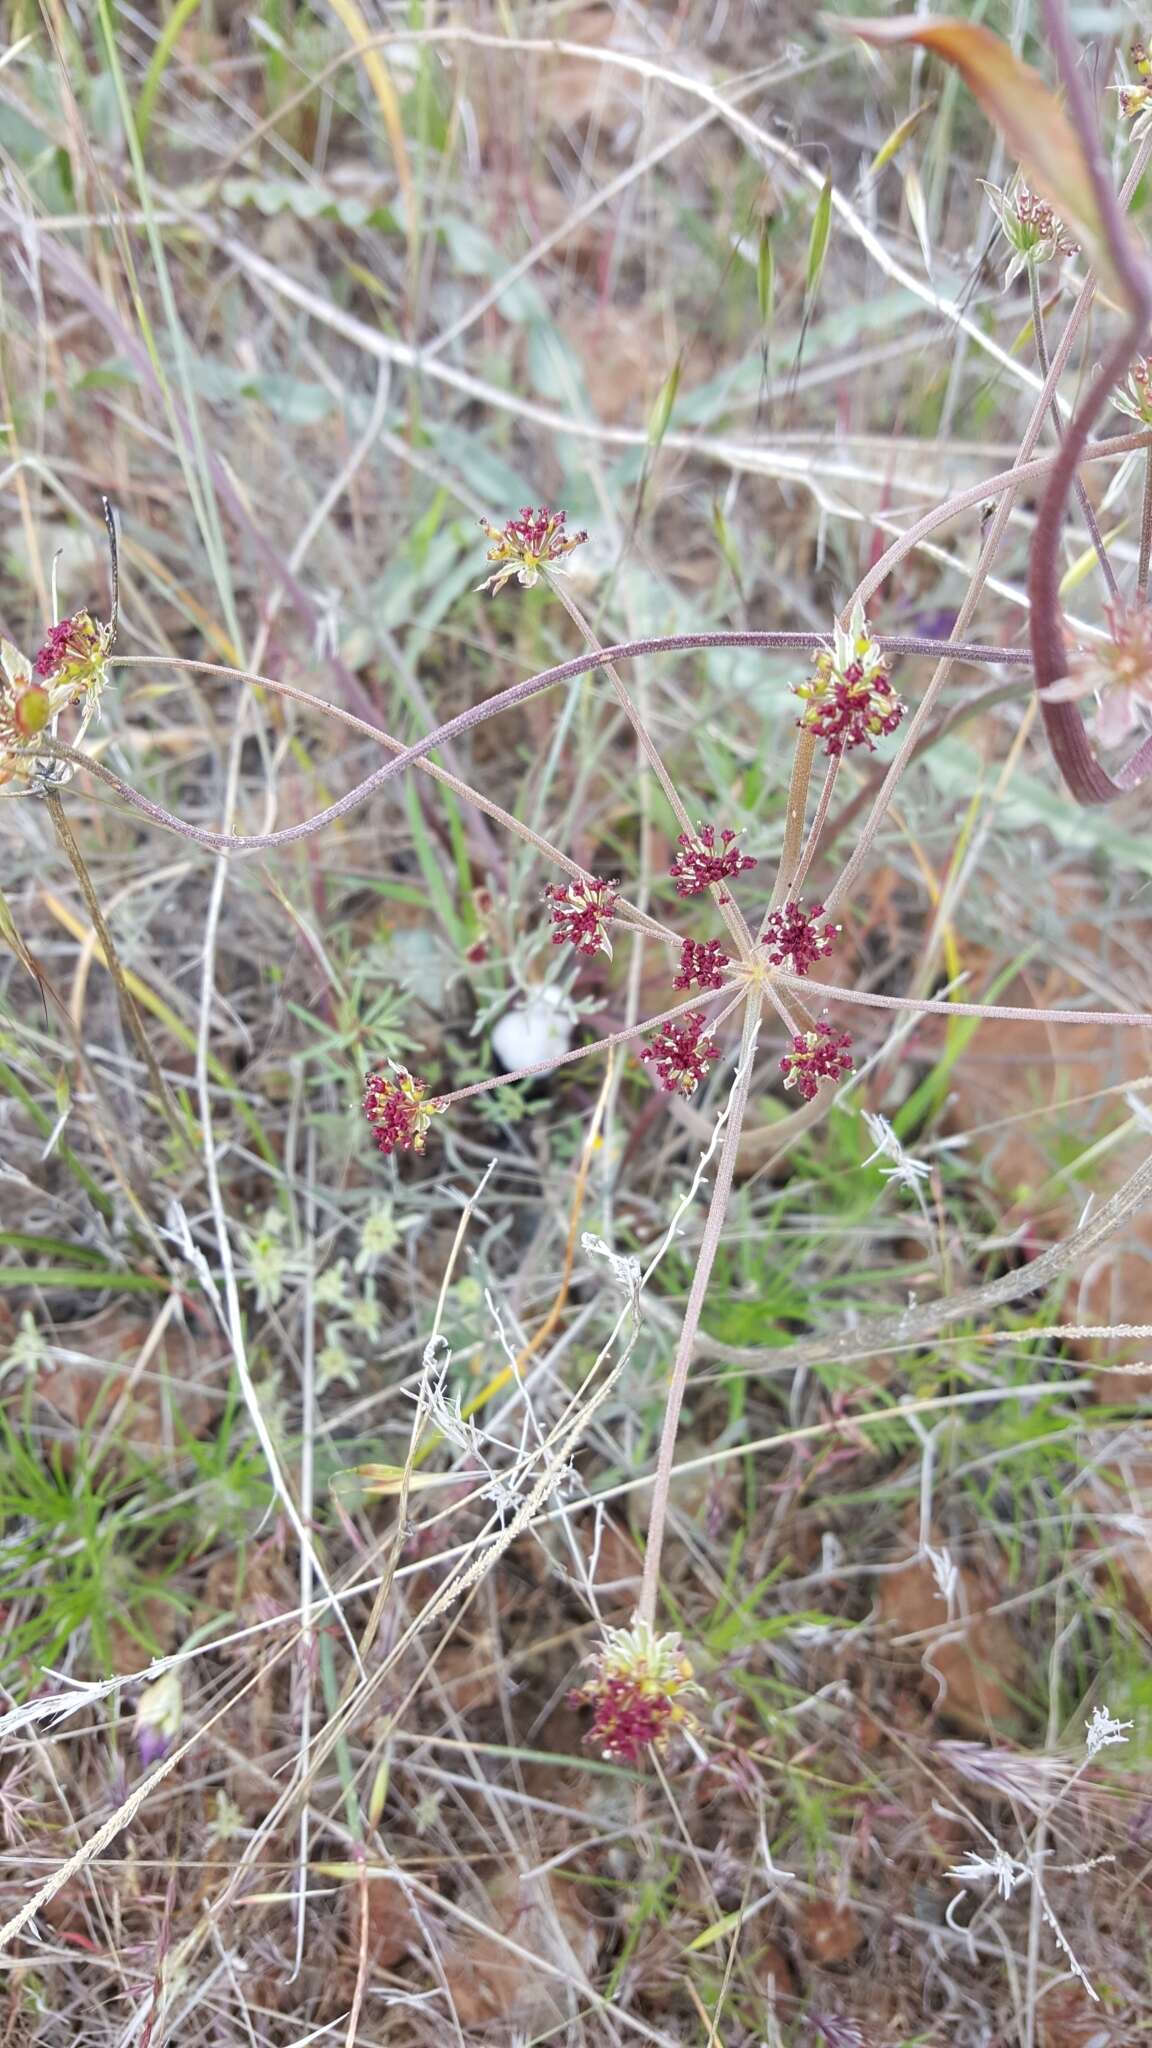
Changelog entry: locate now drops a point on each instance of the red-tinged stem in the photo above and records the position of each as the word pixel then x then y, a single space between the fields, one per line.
pixel 465 721
pixel 1087 780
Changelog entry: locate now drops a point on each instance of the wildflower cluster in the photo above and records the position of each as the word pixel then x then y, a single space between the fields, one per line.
pixel 1033 232
pixel 69 670
pixel 1136 100
pixel 849 701
pixel 526 545
pixel 682 1054
pixel 701 862
pixel 1118 671
pixel 76 652
pixel 581 914
pixel 815 1056
pixel 703 964
pixel 1134 397
pixel 637 1691
pixel 796 939
pixel 398 1111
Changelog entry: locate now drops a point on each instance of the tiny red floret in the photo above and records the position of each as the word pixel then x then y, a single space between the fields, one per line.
pixel 700 862
pixel 795 937
pixel 815 1056
pixel 683 1054
pixel 703 964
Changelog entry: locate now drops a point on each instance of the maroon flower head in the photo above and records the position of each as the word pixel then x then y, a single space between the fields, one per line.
pixel 397 1111
pixel 703 964
pixel 76 643
pixel 849 701
pixel 795 937
pixel 815 1056
pixel 581 914
pixel 524 546
pixel 701 862
pixel 682 1054
pixel 637 1691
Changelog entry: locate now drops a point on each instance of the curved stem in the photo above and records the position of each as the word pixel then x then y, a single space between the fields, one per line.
pixel 705 1259
pixel 1087 780
pixel 476 714
pixel 1082 498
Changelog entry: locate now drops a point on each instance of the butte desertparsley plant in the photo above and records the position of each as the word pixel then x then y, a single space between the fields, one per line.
pixel 682 1054
pixel 525 546
pixel 703 964
pixel 850 702
pixel 398 1110
pixel 1034 233
pixel 638 1689
pixel 1135 101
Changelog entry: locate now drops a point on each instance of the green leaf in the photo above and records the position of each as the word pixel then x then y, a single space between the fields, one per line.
pixel 818 240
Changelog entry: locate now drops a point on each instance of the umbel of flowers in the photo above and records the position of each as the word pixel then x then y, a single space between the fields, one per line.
pixel 814 1056
pixel 795 937
pixel 68 672
pixel 398 1110
pixel 704 859
pixel 849 701
pixel 581 914
pixel 525 546
pixel 682 1054
pixel 637 1691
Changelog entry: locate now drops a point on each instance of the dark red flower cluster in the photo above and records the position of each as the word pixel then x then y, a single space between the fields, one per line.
pixel 855 710
pixel 523 546
pixel 703 964
pixel 700 862
pixel 815 1056
pixel 638 1690
pixel 795 937
pixel 73 642
pixel 682 1054
pixel 626 1718
pixel 397 1110
pixel 581 913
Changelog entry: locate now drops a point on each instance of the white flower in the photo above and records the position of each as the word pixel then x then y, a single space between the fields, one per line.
pixel 1103 1731
pixel 907 1171
pixel 1007 1872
